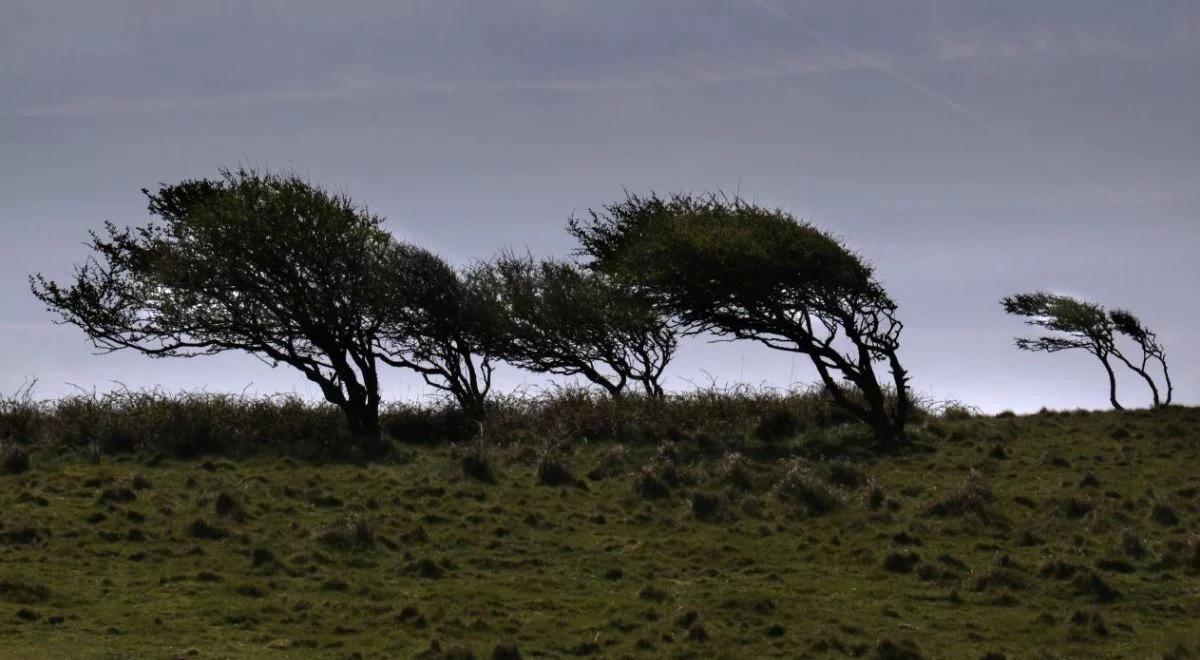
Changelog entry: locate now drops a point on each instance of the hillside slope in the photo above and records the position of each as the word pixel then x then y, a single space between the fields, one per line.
pixel 1058 535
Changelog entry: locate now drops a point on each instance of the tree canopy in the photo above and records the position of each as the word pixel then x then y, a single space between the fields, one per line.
pixel 1078 324
pixel 561 319
pixel 447 330
pixel 1131 327
pixel 261 262
pixel 739 270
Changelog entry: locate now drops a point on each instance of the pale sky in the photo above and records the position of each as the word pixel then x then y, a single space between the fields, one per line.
pixel 970 149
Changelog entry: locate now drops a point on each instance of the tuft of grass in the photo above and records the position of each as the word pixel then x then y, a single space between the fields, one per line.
pixel 475 461
pixel 734 469
pixel 554 468
pixel 13 460
pixel 349 534
pixel 972 497
pixel 611 462
pixel 803 486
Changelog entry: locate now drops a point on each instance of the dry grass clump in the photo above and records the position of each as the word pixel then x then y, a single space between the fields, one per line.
pixel 660 474
pixel 554 467
pixel 475 460
pixel 182 425
pixel 349 534
pixel 973 497
pixel 13 460
pixel 734 470
pixel 612 461
pixel 803 485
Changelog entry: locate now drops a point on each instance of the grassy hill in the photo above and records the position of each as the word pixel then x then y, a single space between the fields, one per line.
pixel 1057 535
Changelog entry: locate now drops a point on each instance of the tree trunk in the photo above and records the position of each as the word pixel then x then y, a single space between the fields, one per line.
pixel 1141 371
pixel 889 433
pixel 363 423
pixel 1112 384
pixel 1167 378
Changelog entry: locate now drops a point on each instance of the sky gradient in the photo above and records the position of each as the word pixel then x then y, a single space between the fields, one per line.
pixel 970 150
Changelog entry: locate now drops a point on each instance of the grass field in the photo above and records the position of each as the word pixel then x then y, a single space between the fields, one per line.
pixel 1057 535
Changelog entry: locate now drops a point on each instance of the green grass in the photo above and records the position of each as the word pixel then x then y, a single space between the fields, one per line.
pixel 1053 535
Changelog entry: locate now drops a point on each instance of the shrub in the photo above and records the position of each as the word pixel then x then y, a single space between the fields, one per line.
pixel 611 461
pixel 660 474
pixel 1133 545
pixel 1164 514
pixel 874 495
pixel 735 470
pixel 189 425
pixel 228 506
pixel 650 483
pixel 844 474
pixel 202 529
pixel 972 498
pixel 778 424
pixel 1090 584
pixel 13 460
pixel 475 462
pixel 957 411
pixel 901 561
pixel 803 486
pixel 349 534
pixel 554 468
pixel 706 506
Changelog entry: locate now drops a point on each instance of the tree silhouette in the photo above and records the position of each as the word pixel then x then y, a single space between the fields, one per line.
pixel 252 261
pixel 1080 325
pixel 1125 323
pixel 563 320
pixel 742 271
pixel 446 331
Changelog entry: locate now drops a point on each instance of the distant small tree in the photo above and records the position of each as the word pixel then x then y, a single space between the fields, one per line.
pixel 1080 325
pixel 560 319
pixel 446 330
pixel 1125 323
pixel 739 270
pixel 259 262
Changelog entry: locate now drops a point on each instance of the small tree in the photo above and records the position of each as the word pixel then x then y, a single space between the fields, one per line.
pixel 1080 325
pixel 446 331
pixel 265 263
pixel 1125 323
pixel 563 320
pixel 743 271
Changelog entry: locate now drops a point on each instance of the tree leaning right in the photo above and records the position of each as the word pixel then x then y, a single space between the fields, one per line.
pixel 741 271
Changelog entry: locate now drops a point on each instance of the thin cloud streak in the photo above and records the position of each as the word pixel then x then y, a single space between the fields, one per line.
pixel 359 88
pixel 932 94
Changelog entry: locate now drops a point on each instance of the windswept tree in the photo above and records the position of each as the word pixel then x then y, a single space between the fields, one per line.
pixel 1125 323
pixel 560 319
pixel 252 261
pixel 738 270
pixel 446 329
pixel 1077 324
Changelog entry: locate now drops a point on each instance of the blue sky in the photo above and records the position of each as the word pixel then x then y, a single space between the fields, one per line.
pixel 969 149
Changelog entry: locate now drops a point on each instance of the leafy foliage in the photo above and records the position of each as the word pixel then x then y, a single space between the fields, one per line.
pixel 1125 323
pixel 265 263
pixel 742 271
pixel 1083 325
pixel 560 319
pixel 447 331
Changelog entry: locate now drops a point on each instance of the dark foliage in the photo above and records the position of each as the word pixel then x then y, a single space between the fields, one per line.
pixel 447 331
pixel 265 263
pixel 1087 326
pixel 1130 326
pixel 742 271
pixel 560 319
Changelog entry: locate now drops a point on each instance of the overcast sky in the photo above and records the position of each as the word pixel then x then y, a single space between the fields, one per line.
pixel 969 149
